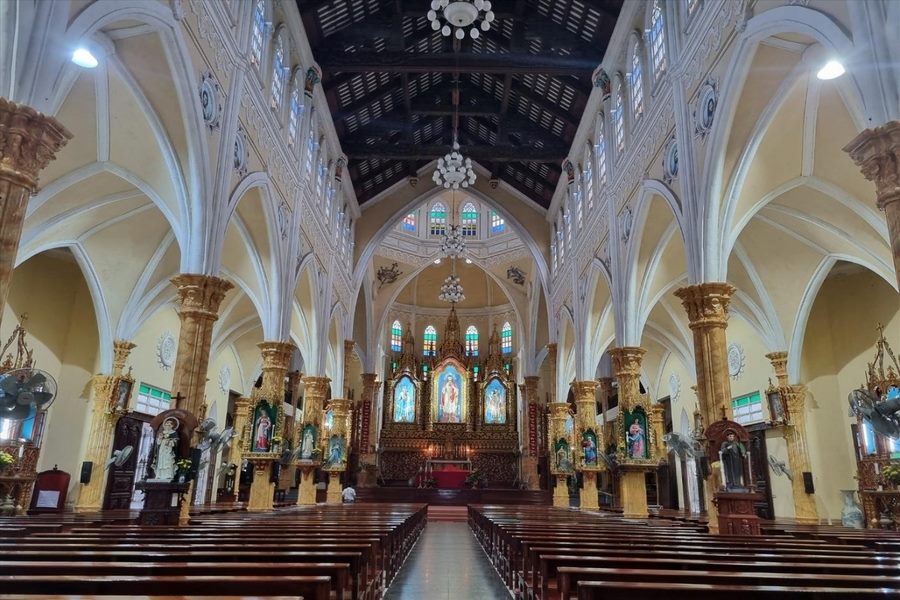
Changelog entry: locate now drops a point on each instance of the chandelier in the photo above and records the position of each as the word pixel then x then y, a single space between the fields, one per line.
pixel 454 171
pixel 453 244
pixel 460 14
pixel 452 290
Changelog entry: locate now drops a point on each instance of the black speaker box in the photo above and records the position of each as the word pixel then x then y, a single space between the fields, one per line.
pixel 808 486
pixel 86 468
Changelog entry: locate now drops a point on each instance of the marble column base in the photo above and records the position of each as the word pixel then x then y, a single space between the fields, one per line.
pixel 261 491
pixel 588 493
pixel 561 492
pixel 633 491
pixel 306 494
pixel 333 495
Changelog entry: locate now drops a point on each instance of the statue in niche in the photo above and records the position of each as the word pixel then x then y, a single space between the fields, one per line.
pixel 166 444
pixel 732 454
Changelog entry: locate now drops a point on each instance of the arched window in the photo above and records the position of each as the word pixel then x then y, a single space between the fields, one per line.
pixel 561 238
pixel 429 341
pixel 506 338
pixel 498 225
pixel 471 341
pixel 321 173
pixel 553 251
pixel 279 70
pixel 258 35
pixel 587 179
pixel 438 219
pixel 567 219
pixel 618 114
pixel 635 84
pixel 409 223
pixel 396 337
pixel 329 200
pixel 310 153
pixel 657 37
pixel 600 151
pixel 577 200
pixel 693 6
pixel 295 110
pixel 469 219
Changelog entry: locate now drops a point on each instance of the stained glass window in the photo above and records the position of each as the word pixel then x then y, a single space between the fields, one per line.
pixel 429 341
pixel 438 219
pixel 600 152
pixel 152 400
pixel 321 173
pixel 576 198
pixel 587 178
pixel 409 223
pixel 618 113
pixel 471 341
pixel 396 337
pixel 506 338
pixel 748 409
pixel 279 71
pixel 295 113
pixel 561 240
pixel 258 35
pixel 310 153
pixel 636 85
pixel 553 253
pixel 469 220
pixel 657 35
pixel 498 225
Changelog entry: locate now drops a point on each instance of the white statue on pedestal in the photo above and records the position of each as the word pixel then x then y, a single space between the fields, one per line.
pixel 166 443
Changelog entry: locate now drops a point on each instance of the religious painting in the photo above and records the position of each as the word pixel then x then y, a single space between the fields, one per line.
pixel 308 439
pixel 636 443
pixel 450 394
pixel 495 402
pixel 405 401
pixel 589 448
pixel 263 427
pixel 562 455
pixel 570 425
pixel 329 419
pixel 337 452
pixel 122 394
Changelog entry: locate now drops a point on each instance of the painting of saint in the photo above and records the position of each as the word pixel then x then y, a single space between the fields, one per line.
pixel 589 446
pixel 561 451
pixel 495 403
pixel 336 447
pixel 450 396
pixel 263 429
pixel 329 419
pixel 405 401
pixel 636 434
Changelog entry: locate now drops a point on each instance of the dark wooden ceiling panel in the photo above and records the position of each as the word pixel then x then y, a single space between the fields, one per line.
pixel 395 87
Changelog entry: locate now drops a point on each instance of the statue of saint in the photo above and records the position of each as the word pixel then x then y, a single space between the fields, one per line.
pixel 166 444
pixel 306 446
pixel 449 402
pixel 733 452
pixel 635 439
pixel 263 425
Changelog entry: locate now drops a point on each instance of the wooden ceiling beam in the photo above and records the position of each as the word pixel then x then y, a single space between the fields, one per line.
pixel 482 153
pixel 448 62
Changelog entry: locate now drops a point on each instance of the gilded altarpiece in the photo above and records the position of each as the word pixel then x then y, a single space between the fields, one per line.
pixel 462 409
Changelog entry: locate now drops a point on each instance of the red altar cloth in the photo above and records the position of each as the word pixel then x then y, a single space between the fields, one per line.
pixel 450 478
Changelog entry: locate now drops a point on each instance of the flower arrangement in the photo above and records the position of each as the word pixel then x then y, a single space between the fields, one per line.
pixel 276 439
pixel 183 465
pixel 6 459
pixel 891 473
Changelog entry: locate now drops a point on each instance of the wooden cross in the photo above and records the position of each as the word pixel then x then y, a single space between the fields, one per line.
pixel 178 398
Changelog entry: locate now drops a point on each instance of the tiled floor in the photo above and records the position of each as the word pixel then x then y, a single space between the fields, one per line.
pixel 447 563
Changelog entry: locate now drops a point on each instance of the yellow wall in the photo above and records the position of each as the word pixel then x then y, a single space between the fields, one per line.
pixel 840 340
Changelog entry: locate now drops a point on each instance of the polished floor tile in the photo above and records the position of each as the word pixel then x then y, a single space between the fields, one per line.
pixel 447 563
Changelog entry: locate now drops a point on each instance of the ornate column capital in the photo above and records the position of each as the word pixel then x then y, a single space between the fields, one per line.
pixel 369 379
pixel 29 140
pixel 551 353
pixel 627 360
pixel 121 350
pixel 276 355
pixel 876 152
pixel 200 295
pixel 316 387
pixel 584 390
pixel 779 364
pixel 706 303
pixel 559 410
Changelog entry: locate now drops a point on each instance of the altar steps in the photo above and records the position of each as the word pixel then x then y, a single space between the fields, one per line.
pixel 452 514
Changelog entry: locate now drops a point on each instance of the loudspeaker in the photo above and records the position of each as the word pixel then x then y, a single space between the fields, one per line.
pixel 275 473
pixel 86 468
pixel 808 486
pixel 196 457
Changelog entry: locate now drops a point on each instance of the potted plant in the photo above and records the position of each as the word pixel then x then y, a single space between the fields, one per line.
pixel 276 443
pixel 183 470
pixel 6 460
pixel 890 473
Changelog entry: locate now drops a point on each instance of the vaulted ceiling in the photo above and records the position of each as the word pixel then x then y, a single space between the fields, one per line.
pixel 395 86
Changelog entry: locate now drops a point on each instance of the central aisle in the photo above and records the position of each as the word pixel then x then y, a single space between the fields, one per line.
pixel 447 563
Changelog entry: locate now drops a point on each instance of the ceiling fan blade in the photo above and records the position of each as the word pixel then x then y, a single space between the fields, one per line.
pixel 15 411
pixel 24 397
pixel 123 455
pixel 42 399
pixel 37 379
pixel 9 384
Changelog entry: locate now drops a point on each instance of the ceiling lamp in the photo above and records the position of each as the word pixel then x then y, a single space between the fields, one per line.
pixel 454 171
pixel 454 17
pixel 830 70
pixel 453 244
pixel 452 290
pixel 83 58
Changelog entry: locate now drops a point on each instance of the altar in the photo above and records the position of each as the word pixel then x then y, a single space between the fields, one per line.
pixel 448 474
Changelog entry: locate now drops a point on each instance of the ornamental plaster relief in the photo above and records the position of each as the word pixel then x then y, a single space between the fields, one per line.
pixel 203 27
pixel 707 48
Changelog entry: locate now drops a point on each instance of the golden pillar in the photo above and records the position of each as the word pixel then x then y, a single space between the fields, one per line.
pixel 349 355
pixel 315 389
pixel 794 398
pixel 199 297
pixel 334 464
pixel 877 153
pixel 632 484
pixel 606 385
pixel 29 140
pixel 560 449
pixel 368 434
pixel 103 423
pixel 241 412
pixel 534 410
pixel 262 489
pixel 587 432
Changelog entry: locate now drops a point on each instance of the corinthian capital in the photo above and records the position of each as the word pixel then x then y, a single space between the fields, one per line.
pixel 29 140
pixel 201 294
pixel 877 153
pixel 706 303
pixel 627 360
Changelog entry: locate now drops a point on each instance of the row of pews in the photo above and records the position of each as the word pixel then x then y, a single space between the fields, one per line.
pixel 316 553
pixel 558 554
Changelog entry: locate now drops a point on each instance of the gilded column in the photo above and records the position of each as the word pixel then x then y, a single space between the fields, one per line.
pixel 349 355
pixel 707 307
pixel 794 398
pixel 560 449
pixel 632 484
pixel 877 153
pixel 337 449
pixel 29 140
pixel 315 389
pixel 551 361
pixel 241 412
pixel 103 423
pixel 608 427
pixel 368 434
pixel 535 410
pixel 292 431
pixel 199 297
pixel 588 442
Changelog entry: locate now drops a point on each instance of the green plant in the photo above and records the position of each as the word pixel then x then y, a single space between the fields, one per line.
pixel 276 439
pixel 6 459
pixel 891 473
pixel 183 465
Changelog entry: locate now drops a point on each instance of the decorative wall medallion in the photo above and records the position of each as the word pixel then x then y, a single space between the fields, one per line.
pixel 388 275
pixel 736 360
pixel 674 387
pixel 166 349
pixel 210 100
pixel 225 379
pixel 516 274
pixel 705 110
pixel 240 152
pixel 283 219
pixel 627 219
pixel 670 161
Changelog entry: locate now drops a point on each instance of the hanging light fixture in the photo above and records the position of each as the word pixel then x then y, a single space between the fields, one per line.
pixel 452 290
pixel 453 244
pixel 453 170
pixel 454 17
